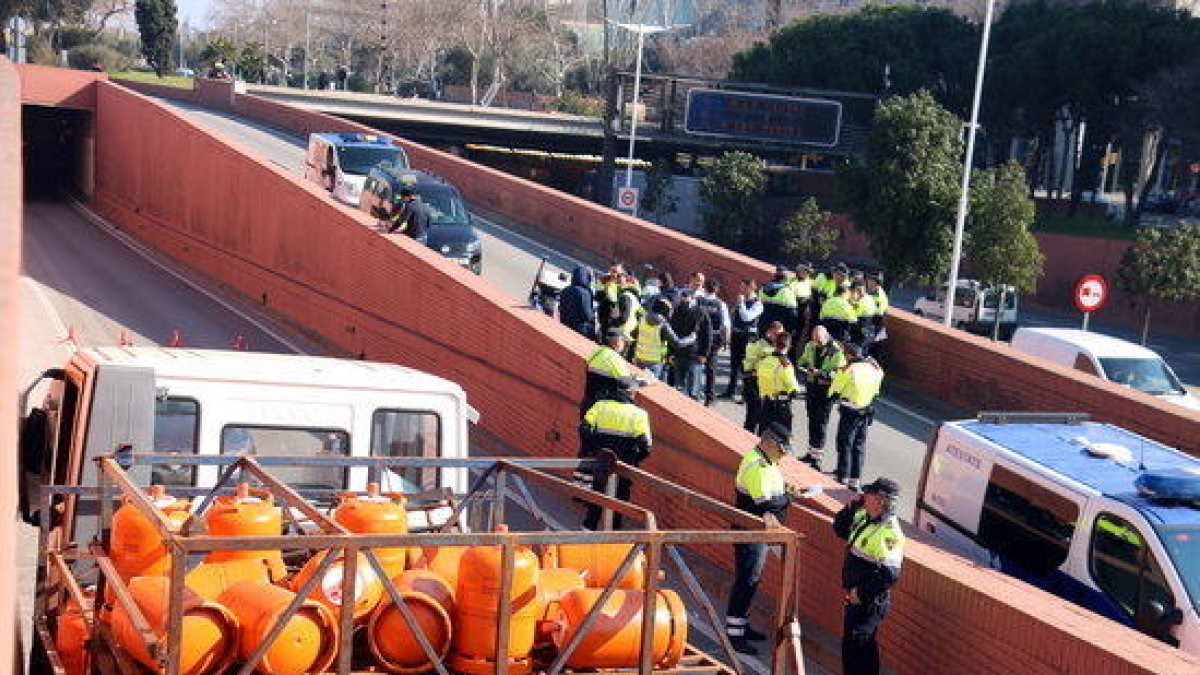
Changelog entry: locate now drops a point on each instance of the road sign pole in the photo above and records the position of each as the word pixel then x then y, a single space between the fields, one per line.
pixel 1086 316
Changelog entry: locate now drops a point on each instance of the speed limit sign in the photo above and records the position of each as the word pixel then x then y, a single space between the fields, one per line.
pixel 627 198
pixel 1091 293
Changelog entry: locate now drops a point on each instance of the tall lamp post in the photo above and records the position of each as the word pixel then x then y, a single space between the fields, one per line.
pixel 642 31
pixel 965 196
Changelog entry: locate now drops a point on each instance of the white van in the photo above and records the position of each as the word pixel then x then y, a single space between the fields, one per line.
pixel 201 402
pixel 1090 512
pixel 1107 357
pixel 974 308
pixel 340 163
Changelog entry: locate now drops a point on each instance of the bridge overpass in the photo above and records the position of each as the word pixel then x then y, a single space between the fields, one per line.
pixel 196 196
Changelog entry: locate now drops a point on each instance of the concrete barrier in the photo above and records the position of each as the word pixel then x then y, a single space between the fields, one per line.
pixel 320 264
pixel 11 208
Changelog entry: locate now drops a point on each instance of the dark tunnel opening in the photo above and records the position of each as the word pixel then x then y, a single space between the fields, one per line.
pixel 57 151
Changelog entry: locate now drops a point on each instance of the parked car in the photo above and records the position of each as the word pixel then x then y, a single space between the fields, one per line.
pixel 974 308
pixel 1108 358
pixel 450 230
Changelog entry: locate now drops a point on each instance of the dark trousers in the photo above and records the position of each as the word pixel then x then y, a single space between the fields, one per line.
pixel 710 375
pixel 851 441
pixel 818 406
pixel 860 651
pixel 753 402
pixel 600 483
pixel 748 563
pixel 838 329
pixel 737 354
pixel 775 410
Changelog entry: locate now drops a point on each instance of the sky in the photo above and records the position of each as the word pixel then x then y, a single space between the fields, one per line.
pixel 194 12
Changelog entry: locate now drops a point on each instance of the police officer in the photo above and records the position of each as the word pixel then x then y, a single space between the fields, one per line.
pixel 411 217
pixel 838 315
pixel 855 388
pixel 862 332
pixel 875 290
pixel 777 384
pixel 822 357
pixel 803 288
pixel 779 302
pixel 755 353
pixel 607 372
pixel 874 554
pixel 618 425
pixel 743 316
pixel 655 336
pixel 760 489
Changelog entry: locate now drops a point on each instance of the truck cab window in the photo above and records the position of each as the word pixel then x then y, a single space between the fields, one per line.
pixel 407 433
pixel 291 442
pixel 1124 567
pixel 176 422
pixel 1028 526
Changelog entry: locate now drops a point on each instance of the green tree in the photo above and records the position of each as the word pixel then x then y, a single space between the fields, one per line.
pixel 896 49
pixel 731 192
pixel 220 49
pixel 1002 251
pixel 86 56
pixel 658 200
pixel 1163 264
pixel 904 191
pixel 807 234
pixel 157 25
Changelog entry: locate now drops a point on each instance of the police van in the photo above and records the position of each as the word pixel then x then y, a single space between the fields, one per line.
pixel 450 230
pixel 1091 512
pixel 340 162
pixel 206 402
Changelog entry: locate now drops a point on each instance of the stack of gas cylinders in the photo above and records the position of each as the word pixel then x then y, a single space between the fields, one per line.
pixel 234 599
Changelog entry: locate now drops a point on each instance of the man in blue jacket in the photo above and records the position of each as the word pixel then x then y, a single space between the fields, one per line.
pixel 577 305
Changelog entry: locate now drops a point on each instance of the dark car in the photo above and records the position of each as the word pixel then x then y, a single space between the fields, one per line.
pixel 450 231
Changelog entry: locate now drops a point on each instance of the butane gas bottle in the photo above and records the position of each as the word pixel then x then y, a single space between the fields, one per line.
pixel 368 589
pixel 72 636
pixel 476 604
pixel 248 513
pixel 392 642
pixel 614 639
pixel 378 513
pixel 135 547
pixel 209 632
pixel 308 643
pixel 599 564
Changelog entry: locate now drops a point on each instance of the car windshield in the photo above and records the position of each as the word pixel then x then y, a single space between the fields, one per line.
pixel 445 205
pixel 989 300
pixel 360 159
pixel 1183 546
pixel 1149 375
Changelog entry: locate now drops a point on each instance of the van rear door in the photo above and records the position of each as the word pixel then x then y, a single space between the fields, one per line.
pixel 954 485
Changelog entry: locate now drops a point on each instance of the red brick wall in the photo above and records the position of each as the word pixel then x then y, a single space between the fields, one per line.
pixel 58 87
pixel 10 262
pixel 320 264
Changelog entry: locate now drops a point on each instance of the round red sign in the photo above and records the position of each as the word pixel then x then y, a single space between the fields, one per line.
pixel 1091 293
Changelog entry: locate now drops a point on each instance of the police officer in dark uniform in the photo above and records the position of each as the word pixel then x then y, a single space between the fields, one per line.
pixel 411 217
pixel 874 554
pixel 761 489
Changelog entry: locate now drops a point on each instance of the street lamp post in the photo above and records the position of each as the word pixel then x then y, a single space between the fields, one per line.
pixel 965 196
pixel 642 31
pixel 307 44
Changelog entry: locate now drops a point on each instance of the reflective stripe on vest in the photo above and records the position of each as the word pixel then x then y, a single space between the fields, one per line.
pixel 608 363
pixel 881 543
pixel 758 478
pixel 617 418
pixel 651 348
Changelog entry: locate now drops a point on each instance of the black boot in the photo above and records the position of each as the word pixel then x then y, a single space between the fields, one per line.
pixel 755 635
pixel 742 645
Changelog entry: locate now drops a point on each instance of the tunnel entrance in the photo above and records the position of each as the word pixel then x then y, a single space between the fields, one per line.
pixel 57 152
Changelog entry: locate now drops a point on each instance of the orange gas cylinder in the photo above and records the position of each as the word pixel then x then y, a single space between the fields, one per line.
pixel 393 645
pixel 308 642
pixel 476 605
pixel 443 561
pixel 377 513
pixel 210 579
pixel 136 548
pixel 368 589
pixel 553 584
pixel 209 635
pixel 71 638
pixel 599 564
pixel 613 639
pixel 249 513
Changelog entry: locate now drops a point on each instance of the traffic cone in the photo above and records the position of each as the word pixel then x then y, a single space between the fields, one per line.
pixel 72 337
pixel 239 343
pixel 124 340
pixel 176 338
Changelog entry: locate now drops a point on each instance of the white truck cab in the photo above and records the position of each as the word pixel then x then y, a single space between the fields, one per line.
pixel 1108 358
pixel 201 402
pixel 340 162
pixel 974 308
pixel 1090 512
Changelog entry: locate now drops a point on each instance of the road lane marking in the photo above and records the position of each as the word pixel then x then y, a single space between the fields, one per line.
pixel 60 326
pixel 903 409
pixel 144 252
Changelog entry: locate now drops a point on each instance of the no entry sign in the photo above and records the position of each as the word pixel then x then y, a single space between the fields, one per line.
pixel 1091 293
pixel 627 198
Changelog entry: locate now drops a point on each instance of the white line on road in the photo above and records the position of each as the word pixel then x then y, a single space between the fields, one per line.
pixel 905 410
pixel 142 251
pixel 60 326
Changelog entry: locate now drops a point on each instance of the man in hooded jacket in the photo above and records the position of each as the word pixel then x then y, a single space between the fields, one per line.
pixel 577 305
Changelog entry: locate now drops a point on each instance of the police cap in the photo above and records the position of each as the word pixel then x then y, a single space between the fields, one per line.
pixel 883 486
pixel 778 433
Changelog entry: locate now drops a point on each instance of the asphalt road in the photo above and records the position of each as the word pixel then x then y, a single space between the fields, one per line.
pixel 1182 354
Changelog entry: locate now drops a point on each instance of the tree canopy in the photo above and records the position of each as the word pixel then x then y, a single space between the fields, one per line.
pixel 730 192
pixel 157 24
pixel 904 190
pixel 1163 264
pixel 999 245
